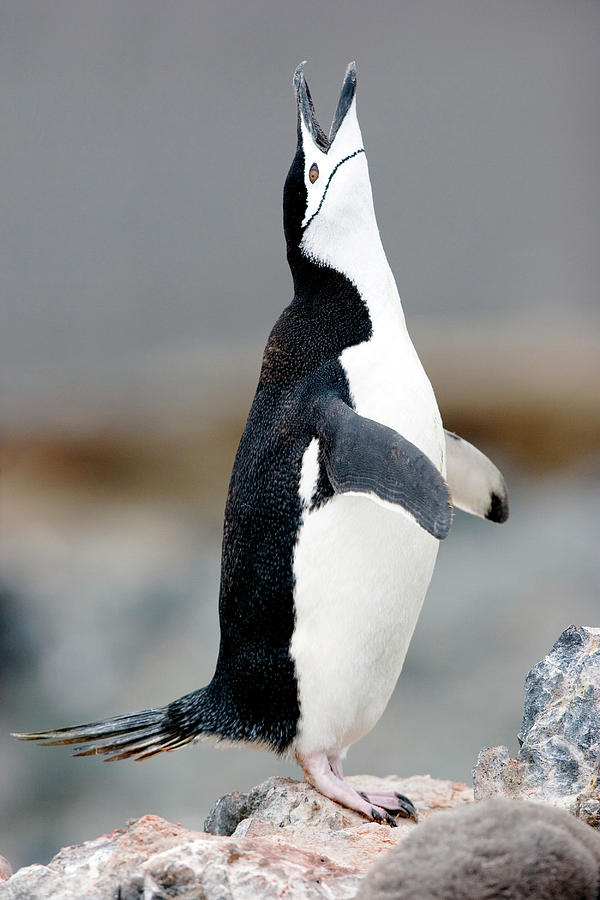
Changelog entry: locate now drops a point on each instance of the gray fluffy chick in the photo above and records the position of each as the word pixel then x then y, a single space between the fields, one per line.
pixel 497 848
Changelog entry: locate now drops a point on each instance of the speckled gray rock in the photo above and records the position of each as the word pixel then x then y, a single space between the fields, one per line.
pixel 559 758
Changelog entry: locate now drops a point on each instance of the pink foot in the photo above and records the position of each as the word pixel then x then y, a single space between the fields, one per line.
pixel 390 801
pixel 318 772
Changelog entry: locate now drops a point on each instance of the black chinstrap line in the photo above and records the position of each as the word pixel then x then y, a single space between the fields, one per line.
pixel 341 163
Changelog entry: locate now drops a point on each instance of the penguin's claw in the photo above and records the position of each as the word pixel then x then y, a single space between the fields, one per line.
pixel 394 803
pixel 407 809
pixel 381 816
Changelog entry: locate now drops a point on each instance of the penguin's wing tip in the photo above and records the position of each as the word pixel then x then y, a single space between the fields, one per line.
pixel 498 510
pixel 442 525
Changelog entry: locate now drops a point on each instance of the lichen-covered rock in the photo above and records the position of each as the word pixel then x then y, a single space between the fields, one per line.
pixel 559 758
pixel 282 838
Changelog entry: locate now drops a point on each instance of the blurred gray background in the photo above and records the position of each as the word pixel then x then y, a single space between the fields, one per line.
pixel 144 149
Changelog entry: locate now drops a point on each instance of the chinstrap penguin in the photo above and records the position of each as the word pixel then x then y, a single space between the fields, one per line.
pixel 342 487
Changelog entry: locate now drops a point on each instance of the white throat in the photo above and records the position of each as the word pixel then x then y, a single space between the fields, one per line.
pixel 386 379
pixel 345 236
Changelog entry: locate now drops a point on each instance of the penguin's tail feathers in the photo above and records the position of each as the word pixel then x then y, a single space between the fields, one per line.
pixel 140 735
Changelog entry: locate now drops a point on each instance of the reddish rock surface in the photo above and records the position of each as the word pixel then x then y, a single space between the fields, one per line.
pixel 287 840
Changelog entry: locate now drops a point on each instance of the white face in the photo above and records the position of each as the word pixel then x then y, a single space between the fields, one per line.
pixel 339 225
pixel 329 216
pixel 338 164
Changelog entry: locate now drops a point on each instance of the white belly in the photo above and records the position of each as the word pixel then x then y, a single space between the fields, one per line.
pixel 361 576
pixel 362 570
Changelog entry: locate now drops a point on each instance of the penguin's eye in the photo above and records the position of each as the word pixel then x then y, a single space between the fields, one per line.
pixel 313 173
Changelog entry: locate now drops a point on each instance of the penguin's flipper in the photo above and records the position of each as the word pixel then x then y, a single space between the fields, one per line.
pixel 476 485
pixel 364 457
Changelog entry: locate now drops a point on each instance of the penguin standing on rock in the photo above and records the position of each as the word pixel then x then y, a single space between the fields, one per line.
pixel 342 487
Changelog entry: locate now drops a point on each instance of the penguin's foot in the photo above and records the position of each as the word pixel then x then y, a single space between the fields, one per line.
pixel 394 803
pixel 319 772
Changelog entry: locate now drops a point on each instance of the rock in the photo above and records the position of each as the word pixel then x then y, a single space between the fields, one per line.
pixel 558 761
pixel 497 848
pixel 5 869
pixel 281 838
pixel 281 807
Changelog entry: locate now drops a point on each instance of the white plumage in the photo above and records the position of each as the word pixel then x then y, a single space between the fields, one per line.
pixel 362 566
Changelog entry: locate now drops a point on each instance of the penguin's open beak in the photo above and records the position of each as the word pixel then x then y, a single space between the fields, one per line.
pixel 345 102
pixel 306 109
